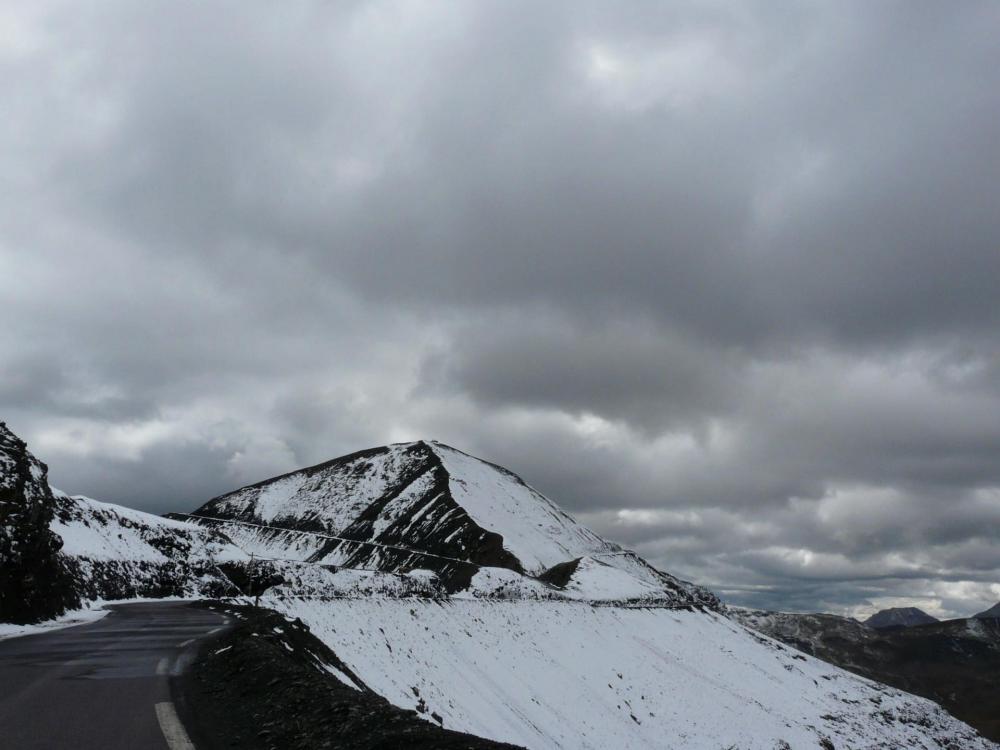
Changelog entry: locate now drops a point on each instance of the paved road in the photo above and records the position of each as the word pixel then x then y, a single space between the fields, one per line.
pixel 104 685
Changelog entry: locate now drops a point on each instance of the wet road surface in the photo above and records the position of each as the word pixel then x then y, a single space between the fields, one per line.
pixel 105 685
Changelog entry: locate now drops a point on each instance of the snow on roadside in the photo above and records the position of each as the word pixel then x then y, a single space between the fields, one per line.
pixel 92 613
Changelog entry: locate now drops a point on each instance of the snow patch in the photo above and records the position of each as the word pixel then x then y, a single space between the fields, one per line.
pixel 71 619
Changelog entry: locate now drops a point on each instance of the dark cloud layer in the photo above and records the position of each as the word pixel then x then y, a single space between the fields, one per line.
pixel 721 279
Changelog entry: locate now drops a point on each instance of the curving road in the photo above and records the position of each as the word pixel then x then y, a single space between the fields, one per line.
pixel 105 685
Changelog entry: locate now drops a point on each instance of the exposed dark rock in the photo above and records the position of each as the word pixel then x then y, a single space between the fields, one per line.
pixel 989 614
pixel 34 581
pixel 560 575
pixel 899 617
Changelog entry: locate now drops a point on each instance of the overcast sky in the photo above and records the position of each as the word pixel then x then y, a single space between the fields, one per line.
pixel 721 278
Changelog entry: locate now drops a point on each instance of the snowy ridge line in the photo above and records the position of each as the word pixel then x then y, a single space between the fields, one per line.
pixel 332 536
pixel 289 560
pixel 595 554
pixel 330 565
pixel 651 603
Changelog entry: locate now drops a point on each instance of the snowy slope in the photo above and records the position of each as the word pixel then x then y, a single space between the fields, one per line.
pixel 105 531
pixel 116 552
pixel 954 662
pixel 327 497
pixel 569 675
pixel 271 543
pixel 534 529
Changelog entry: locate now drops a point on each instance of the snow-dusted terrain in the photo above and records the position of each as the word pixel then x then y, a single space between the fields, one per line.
pixel 114 552
pixel 426 505
pixel 451 587
pixel 557 638
pixel 569 675
pixel 534 529
pixel 105 531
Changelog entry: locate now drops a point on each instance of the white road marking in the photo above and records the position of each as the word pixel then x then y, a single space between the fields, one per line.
pixel 173 730
pixel 186 643
pixel 214 631
pixel 161 668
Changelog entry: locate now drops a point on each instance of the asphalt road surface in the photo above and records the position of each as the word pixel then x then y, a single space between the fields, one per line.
pixel 105 685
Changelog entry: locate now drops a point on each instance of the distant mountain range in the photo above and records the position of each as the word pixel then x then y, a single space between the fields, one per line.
pixel 954 662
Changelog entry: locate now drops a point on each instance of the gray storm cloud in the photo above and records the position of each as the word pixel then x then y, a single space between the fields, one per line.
pixel 721 279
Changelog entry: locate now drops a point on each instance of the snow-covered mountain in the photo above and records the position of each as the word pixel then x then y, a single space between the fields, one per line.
pixel 544 634
pixel 426 505
pixel 452 588
pixel 899 617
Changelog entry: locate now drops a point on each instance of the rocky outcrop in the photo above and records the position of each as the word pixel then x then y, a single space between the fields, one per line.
pixel 34 581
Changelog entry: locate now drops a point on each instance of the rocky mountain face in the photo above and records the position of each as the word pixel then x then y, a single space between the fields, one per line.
pixel 954 662
pixel 821 635
pixel 899 617
pixel 989 614
pixel 425 505
pixel 34 582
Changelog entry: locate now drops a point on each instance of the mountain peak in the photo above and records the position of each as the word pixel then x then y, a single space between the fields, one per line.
pixel 422 504
pixel 394 491
pixel 899 617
